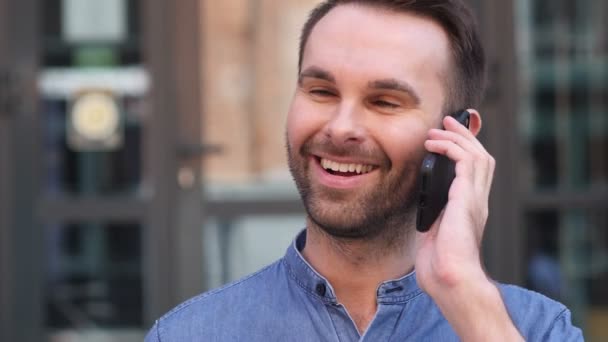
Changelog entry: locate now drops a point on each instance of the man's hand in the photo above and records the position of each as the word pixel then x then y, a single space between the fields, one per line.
pixel 448 261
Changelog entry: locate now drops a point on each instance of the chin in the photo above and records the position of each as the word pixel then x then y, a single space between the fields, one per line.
pixel 342 226
pixel 347 232
pixel 356 220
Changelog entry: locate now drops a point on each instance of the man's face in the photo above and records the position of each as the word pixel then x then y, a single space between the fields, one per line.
pixel 370 87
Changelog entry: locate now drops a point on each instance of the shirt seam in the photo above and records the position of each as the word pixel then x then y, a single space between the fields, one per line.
pixel 564 310
pixel 553 322
pixel 204 296
pixel 333 324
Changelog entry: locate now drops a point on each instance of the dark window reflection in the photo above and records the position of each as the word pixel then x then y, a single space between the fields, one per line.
pixel 567 260
pixel 544 152
pixel 94 276
pixel 544 274
pixel 569 73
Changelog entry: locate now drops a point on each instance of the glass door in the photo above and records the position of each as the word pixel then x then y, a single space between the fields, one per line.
pixel 92 86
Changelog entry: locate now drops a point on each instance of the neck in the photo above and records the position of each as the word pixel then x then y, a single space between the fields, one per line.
pixel 356 267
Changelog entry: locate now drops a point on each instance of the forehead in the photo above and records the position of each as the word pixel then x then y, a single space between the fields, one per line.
pixel 360 37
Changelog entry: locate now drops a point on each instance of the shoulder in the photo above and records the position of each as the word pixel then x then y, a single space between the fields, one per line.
pixel 525 302
pixel 537 316
pixel 230 305
pixel 254 283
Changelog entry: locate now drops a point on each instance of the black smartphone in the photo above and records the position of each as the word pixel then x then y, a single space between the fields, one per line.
pixel 436 175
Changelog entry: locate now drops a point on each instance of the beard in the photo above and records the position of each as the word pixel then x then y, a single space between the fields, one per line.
pixel 384 210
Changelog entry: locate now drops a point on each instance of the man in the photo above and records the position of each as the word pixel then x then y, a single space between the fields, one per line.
pixel 376 79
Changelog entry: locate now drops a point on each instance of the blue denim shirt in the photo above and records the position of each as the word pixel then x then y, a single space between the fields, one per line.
pixel 290 301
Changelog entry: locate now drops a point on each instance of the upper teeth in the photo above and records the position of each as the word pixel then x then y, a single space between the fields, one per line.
pixel 335 166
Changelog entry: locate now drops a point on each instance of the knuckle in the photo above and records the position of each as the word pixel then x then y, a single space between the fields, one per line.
pixel 479 157
pixel 492 165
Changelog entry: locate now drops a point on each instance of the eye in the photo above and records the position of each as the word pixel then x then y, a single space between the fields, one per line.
pixel 321 92
pixel 385 104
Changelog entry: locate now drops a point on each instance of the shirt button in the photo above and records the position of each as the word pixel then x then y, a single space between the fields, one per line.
pixel 320 289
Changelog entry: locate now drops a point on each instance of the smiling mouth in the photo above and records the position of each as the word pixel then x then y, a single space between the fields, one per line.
pixel 344 169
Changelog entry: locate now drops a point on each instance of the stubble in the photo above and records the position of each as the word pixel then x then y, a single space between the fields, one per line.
pixel 383 215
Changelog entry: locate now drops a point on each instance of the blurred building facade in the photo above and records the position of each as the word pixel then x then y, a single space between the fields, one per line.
pixel 142 155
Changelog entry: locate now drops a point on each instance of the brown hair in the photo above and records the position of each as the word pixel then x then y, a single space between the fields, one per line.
pixel 465 86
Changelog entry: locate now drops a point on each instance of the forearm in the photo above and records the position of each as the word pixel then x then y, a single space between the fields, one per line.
pixel 476 311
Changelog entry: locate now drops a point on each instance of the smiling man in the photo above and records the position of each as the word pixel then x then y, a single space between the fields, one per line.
pixel 376 80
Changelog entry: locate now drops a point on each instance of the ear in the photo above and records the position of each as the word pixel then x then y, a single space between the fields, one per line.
pixel 474 121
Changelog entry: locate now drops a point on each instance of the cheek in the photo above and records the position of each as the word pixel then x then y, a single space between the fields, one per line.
pixel 403 141
pixel 303 122
pixel 295 128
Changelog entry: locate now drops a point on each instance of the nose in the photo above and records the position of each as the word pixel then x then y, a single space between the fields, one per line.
pixel 345 125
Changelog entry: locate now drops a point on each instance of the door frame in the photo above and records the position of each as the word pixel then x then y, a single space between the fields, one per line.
pixel 20 291
pixel 174 257
pixel 503 247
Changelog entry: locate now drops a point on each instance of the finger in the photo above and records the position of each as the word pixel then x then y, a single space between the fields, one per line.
pixel 482 160
pixel 452 125
pixel 490 175
pixel 469 145
pixel 475 166
pixel 434 230
pixel 447 148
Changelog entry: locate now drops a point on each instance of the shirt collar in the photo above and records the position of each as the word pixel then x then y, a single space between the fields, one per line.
pixel 389 292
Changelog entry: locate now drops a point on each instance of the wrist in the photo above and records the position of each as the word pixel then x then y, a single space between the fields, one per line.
pixel 476 311
pixel 448 279
pixel 465 287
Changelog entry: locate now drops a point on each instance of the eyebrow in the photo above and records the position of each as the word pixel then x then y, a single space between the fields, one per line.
pixel 316 72
pixel 396 85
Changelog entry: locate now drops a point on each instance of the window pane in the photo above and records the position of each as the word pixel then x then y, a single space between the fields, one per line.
pixel 94 149
pixel 567 260
pixel 93 279
pixel 237 246
pixel 564 63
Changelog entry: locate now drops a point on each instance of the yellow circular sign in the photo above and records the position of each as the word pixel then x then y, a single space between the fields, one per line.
pixel 95 116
